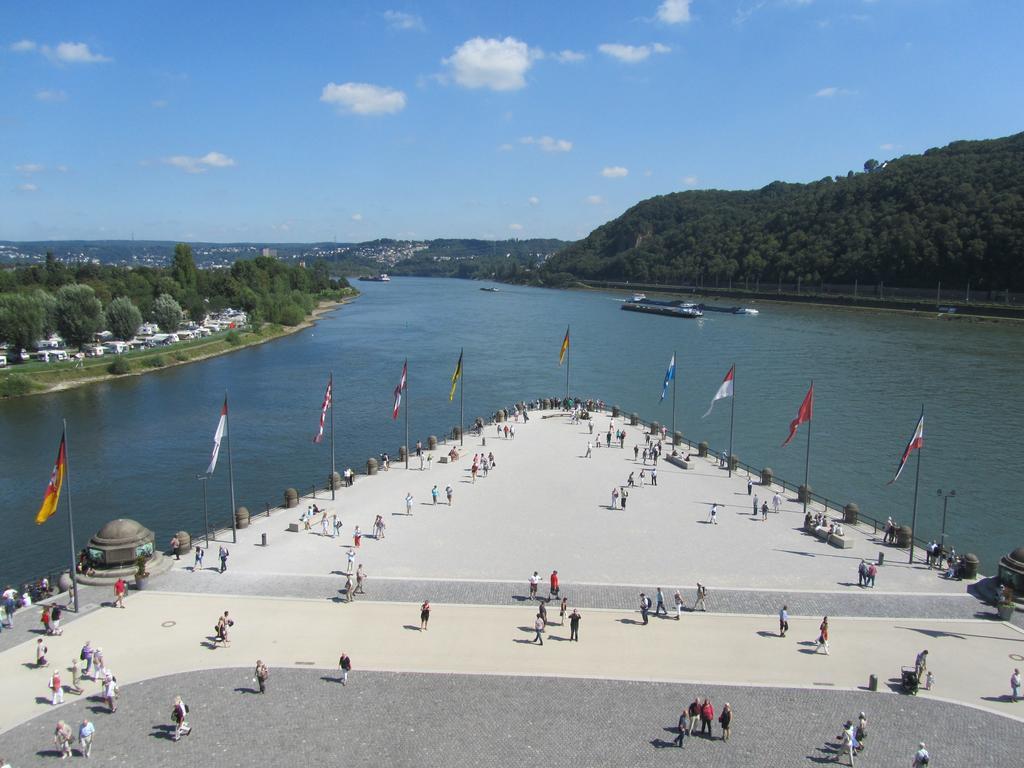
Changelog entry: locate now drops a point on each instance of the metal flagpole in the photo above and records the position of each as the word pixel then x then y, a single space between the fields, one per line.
pixel 71 519
pixel 462 400
pixel 917 479
pixel 231 469
pixel 405 365
pixel 675 375
pixel 568 362
pixel 807 461
pixel 330 383
pixel 732 417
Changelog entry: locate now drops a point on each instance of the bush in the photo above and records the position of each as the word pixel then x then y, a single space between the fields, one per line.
pixel 15 385
pixel 119 367
pixel 156 361
pixel 180 356
pixel 234 338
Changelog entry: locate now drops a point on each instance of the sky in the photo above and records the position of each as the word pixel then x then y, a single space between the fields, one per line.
pixel 316 120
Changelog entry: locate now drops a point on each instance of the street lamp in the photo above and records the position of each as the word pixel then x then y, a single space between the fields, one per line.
pixel 206 508
pixel 945 503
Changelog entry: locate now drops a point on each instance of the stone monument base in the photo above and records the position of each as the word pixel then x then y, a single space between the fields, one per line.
pixel 157 565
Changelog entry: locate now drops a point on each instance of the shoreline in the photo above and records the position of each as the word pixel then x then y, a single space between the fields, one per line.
pixel 319 311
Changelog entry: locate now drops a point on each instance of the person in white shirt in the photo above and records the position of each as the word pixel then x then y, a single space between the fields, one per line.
pixel 921 757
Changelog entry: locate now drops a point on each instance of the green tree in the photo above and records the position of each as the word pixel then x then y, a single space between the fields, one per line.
pixel 123 318
pixel 167 313
pixel 21 319
pixel 79 314
pixel 183 268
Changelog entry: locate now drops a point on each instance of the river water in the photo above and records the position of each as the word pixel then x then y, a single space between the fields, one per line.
pixel 136 444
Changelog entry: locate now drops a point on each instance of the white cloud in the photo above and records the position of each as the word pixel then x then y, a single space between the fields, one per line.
pixel 28 188
pixel 400 20
pixel 674 12
pixel 743 14
pixel 202 164
pixel 690 181
pixel 363 98
pixel 568 57
pixel 158 103
pixel 631 54
pixel 614 172
pixel 29 168
pixel 827 93
pixel 548 144
pixel 533 200
pixel 648 172
pixel 73 53
pixel 62 169
pixel 23 46
pixel 594 199
pixel 356 217
pixel 51 96
pixel 505 147
pixel 500 65
pixel 888 147
pixel 515 227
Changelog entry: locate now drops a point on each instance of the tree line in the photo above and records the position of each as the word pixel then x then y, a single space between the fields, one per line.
pixel 78 301
pixel 953 215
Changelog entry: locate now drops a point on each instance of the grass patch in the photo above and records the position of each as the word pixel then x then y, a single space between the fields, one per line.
pixel 15 385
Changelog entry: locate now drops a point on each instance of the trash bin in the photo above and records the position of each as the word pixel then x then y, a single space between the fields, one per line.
pixel 872 682
pixel 881 559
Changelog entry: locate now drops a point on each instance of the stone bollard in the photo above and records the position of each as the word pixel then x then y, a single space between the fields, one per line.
pixel 64 582
pixel 615 411
pixel 971 565
pixel 655 429
pixel 634 419
pixel 334 481
pixel 371 466
pixel 432 443
pixel 241 518
pixel 291 498
pixel 734 462
pixel 456 433
pixel 702 449
pixel 184 541
pixel 851 512
pixel 903 534
pixel 803 494
pixel 402 451
pixel 767 476
pixel 677 438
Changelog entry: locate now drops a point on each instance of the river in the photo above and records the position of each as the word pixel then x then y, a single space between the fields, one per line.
pixel 136 444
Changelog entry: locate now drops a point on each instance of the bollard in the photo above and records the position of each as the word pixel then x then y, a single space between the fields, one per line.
pixel 872 682
pixel 264 537
pixel 881 558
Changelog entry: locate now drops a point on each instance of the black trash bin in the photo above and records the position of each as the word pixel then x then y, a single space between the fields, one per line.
pixel 872 682
pixel 881 559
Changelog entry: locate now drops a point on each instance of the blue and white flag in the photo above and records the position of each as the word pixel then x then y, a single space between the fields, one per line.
pixel 670 374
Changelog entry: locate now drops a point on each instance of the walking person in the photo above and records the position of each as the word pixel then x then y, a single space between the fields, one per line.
pixel 198 566
pixel 702 594
pixel 615 498
pixel 351 555
pixel 677 598
pixel 41 651
pixel 543 612
pixel 750 485
pixel 625 495
pixel 424 615
pixel 707 716
pixel 654 473
pixel 346 666
pixel 223 555
pixel 823 636
pixel 645 606
pixel 120 589
pixel 756 500
pixel 357 537
pixel 179 714
pixel 76 677
pixel 62 739
pixel 534 581
pixel 538 626
pixel 921 757
pixel 381 525
pixel 434 494
pixel 85 733
pixel 176 547
pixel 55 616
pixel 110 690
pixel 659 603
pixel 694 712
pixel 574 625
pixel 713 515
pixel 350 590
pixel 449 492
pixel 262 674
pixel 408 503
pixel 360 579
pixel 1015 682
pixel 56 689
pixel 590 448
pixel 776 502
pixel 561 611
pixel 553 587
pixel 725 720
pixel 86 656
pixel 784 621
pixel 847 743
pixel 682 728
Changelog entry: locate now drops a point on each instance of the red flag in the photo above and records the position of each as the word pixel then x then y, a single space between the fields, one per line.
pixel 916 443
pixel 805 413
pixel 52 495
pixel 323 410
pixel 398 390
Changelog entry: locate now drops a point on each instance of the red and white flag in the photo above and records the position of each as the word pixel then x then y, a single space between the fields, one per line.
pixel 805 413
pixel 723 392
pixel 399 389
pixel 916 443
pixel 323 409
pixel 221 428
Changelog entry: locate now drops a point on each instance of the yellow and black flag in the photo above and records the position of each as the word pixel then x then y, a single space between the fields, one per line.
pixel 52 495
pixel 565 346
pixel 455 377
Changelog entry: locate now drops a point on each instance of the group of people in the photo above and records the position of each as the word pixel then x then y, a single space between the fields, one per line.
pixel 703 713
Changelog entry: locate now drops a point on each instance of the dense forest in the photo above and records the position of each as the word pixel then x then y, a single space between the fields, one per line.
pixel 953 215
pixel 506 260
pixel 80 300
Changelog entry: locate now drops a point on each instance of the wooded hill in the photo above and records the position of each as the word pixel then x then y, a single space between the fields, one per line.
pixel 953 215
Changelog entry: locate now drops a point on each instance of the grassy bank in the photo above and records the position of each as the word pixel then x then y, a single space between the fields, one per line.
pixel 39 378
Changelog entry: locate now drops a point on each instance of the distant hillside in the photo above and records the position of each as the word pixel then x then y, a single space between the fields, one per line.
pixel 511 260
pixel 953 215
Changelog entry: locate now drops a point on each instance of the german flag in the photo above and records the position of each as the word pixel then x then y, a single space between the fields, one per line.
pixel 565 346
pixel 455 377
pixel 52 495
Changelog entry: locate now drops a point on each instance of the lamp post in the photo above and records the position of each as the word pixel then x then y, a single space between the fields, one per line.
pixel 945 503
pixel 206 508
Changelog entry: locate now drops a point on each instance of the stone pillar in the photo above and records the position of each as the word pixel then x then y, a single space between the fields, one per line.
pixel 545 404
pixel 615 411
pixel 903 536
pixel 655 429
pixel 291 498
pixel 402 450
pixel 851 512
pixel 702 449
pixel 803 494
pixel 677 438
pixel 184 541
pixel 432 443
pixel 767 476
pixel 456 433
pixel 371 466
pixel 64 582
pixel 334 481
pixel 241 517
pixel 971 565
pixel 734 462
pixel 634 419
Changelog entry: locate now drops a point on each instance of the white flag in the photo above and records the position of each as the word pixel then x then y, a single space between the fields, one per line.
pixel 723 392
pixel 221 427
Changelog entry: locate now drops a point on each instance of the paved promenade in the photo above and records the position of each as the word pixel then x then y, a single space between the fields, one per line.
pixel 604 700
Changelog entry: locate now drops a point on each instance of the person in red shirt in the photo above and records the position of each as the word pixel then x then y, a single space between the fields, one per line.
pixel 554 584
pixel 707 716
pixel 120 587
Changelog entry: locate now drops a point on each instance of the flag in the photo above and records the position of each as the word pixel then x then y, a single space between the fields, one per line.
pixel 328 395
pixel 455 378
pixel 565 346
pixel 723 392
pixel 398 390
pixel 670 374
pixel 52 495
pixel 805 413
pixel 916 443
pixel 221 427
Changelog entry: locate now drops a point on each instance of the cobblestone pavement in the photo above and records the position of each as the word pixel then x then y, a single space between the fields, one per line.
pixel 26 620
pixel 379 718
pixel 860 603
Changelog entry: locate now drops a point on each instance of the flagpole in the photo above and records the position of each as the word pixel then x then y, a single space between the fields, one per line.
pixel 71 520
pixel 462 401
pixel 807 461
pixel 568 362
pixel 405 367
pixel 675 375
pixel 231 469
pixel 732 418
pixel 917 479
pixel 330 383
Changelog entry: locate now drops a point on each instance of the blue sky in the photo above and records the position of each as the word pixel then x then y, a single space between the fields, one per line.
pixel 301 121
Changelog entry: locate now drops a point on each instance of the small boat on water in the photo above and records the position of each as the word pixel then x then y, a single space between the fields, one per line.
pixel 730 310
pixel 381 278
pixel 745 311
pixel 639 297
pixel 491 290
pixel 668 308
